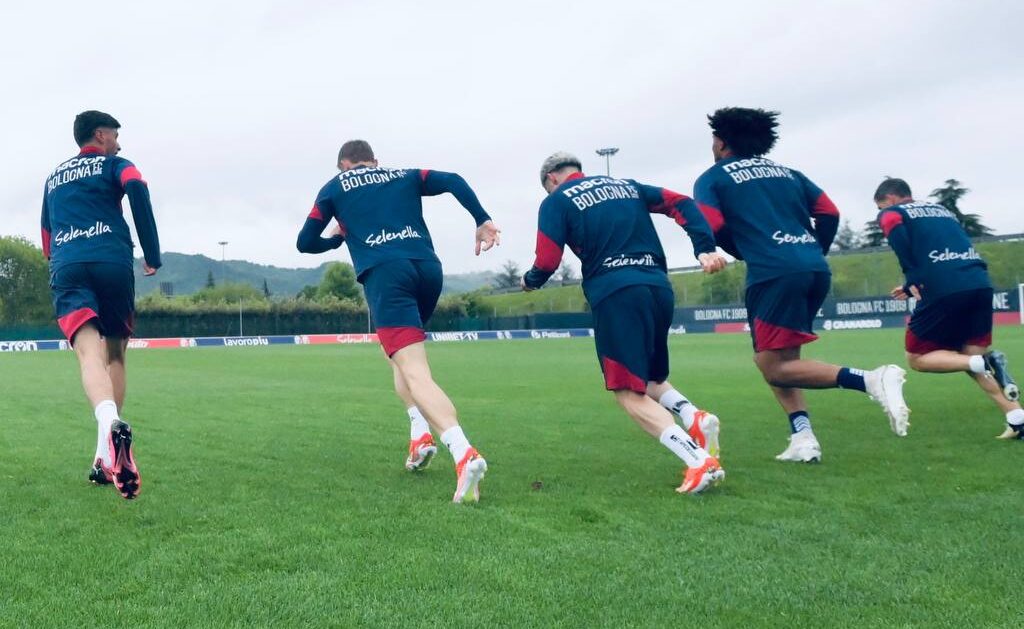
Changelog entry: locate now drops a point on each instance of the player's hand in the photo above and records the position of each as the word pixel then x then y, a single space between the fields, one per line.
pixel 487 236
pixel 902 292
pixel 148 270
pixel 712 262
pixel 522 285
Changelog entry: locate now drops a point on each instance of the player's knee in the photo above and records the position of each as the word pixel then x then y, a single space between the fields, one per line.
pixel 914 361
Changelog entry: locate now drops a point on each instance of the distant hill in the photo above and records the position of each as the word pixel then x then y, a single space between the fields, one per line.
pixel 187 274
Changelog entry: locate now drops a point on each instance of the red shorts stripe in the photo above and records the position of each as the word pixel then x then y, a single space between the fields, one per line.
pixel 73 321
pixel 770 336
pixel 394 339
pixel 617 377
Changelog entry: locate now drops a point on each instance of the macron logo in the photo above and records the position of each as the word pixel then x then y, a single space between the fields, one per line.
pixel 385 236
pixel 64 237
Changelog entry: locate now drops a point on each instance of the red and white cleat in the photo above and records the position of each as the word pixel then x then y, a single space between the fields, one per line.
pixel 470 471
pixel 697 479
pixel 704 432
pixel 421 453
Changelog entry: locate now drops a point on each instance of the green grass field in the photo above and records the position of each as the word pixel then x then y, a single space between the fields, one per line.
pixel 274 495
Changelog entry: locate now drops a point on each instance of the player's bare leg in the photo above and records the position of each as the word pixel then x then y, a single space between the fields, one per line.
pixel 702 426
pixel 784 368
pixel 421 442
pixel 439 411
pixel 91 350
pixel 116 352
pixel 702 470
pixel 114 460
pixel 992 388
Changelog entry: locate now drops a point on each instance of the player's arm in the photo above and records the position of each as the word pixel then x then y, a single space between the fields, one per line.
pixel 45 229
pixel 311 238
pixel 683 210
pixel 551 236
pixel 706 198
pixel 891 222
pixel 137 191
pixel 824 213
pixel 435 182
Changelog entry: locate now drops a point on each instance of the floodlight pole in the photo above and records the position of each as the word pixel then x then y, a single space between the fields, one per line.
pixel 607 153
pixel 223 245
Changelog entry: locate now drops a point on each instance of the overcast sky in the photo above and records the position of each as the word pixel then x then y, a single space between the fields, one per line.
pixel 234 112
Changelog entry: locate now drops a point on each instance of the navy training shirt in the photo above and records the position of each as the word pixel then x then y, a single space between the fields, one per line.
pixel 607 223
pixel 82 219
pixel 380 212
pixel 933 249
pixel 761 212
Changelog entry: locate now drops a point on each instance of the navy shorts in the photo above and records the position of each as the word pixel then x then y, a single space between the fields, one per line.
pixel 950 322
pixel 402 295
pixel 781 311
pixel 100 291
pixel 631 333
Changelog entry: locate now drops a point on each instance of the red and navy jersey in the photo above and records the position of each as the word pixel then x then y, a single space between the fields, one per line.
pixel 933 249
pixel 82 218
pixel 607 223
pixel 771 216
pixel 380 212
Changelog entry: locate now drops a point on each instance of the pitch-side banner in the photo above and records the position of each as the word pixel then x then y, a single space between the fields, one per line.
pixel 838 314
pixel 304 339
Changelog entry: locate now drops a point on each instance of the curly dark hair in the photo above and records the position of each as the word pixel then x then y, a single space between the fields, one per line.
pixel 747 132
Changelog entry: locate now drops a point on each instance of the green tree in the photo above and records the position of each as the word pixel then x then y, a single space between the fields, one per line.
pixel 24 282
pixel 872 236
pixel 266 289
pixel 209 279
pixel 846 238
pixel 307 292
pixel 724 287
pixel 948 196
pixel 566 273
pixel 228 293
pixel 339 281
pixel 508 275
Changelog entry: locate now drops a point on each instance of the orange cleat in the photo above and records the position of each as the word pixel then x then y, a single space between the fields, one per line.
pixel 697 479
pixel 421 453
pixel 704 432
pixel 470 471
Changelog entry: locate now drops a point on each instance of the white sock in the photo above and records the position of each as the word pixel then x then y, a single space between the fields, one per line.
pixel 456 442
pixel 418 425
pixel 677 403
pixel 106 414
pixel 682 446
pixel 1015 417
pixel 976 364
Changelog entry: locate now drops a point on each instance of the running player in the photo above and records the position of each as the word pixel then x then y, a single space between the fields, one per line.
pixel 607 223
pixel 951 327
pixel 89 246
pixel 380 214
pixel 782 224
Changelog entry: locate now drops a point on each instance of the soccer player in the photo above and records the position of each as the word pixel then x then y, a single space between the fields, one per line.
pixel 951 327
pixel 89 246
pixel 379 212
pixel 782 224
pixel 607 223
